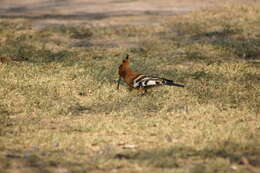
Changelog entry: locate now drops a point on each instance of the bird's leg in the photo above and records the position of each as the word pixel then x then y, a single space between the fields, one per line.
pixel 144 93
pixel 118 82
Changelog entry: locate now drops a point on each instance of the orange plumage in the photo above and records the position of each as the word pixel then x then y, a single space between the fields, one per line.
pixel 139 81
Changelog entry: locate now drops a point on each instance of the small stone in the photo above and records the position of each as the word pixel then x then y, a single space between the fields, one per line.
pixel 62 170
pixel 56 143
pixel 27 154
pixel 129 146
pixel 234 167
pixel 180 51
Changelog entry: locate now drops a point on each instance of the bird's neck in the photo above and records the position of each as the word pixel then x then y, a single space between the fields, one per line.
pixel 127 73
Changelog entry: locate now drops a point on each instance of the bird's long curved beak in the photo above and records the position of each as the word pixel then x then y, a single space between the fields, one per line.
pixel 118 82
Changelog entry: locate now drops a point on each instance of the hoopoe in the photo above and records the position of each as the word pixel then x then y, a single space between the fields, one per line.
pixel 139 81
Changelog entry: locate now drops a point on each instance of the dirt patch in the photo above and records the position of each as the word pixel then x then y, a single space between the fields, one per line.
pixel 103 12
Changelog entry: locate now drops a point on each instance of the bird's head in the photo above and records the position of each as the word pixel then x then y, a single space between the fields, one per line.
pixel 124 65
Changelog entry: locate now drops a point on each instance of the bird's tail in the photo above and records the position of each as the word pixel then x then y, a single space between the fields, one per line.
pixel 171 83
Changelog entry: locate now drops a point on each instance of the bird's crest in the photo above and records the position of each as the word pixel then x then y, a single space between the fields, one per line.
pixel 126 59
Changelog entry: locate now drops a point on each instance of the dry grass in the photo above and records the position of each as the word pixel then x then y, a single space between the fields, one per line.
pixel 61 112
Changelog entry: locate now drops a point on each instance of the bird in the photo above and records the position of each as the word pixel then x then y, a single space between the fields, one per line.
pixel 139 81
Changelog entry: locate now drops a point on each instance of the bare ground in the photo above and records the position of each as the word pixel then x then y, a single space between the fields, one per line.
pixel 103 12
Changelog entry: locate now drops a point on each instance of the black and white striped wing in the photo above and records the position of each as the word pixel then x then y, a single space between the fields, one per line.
pixel 143 81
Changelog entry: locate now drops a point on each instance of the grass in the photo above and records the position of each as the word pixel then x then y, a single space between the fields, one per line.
pixel 61 112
